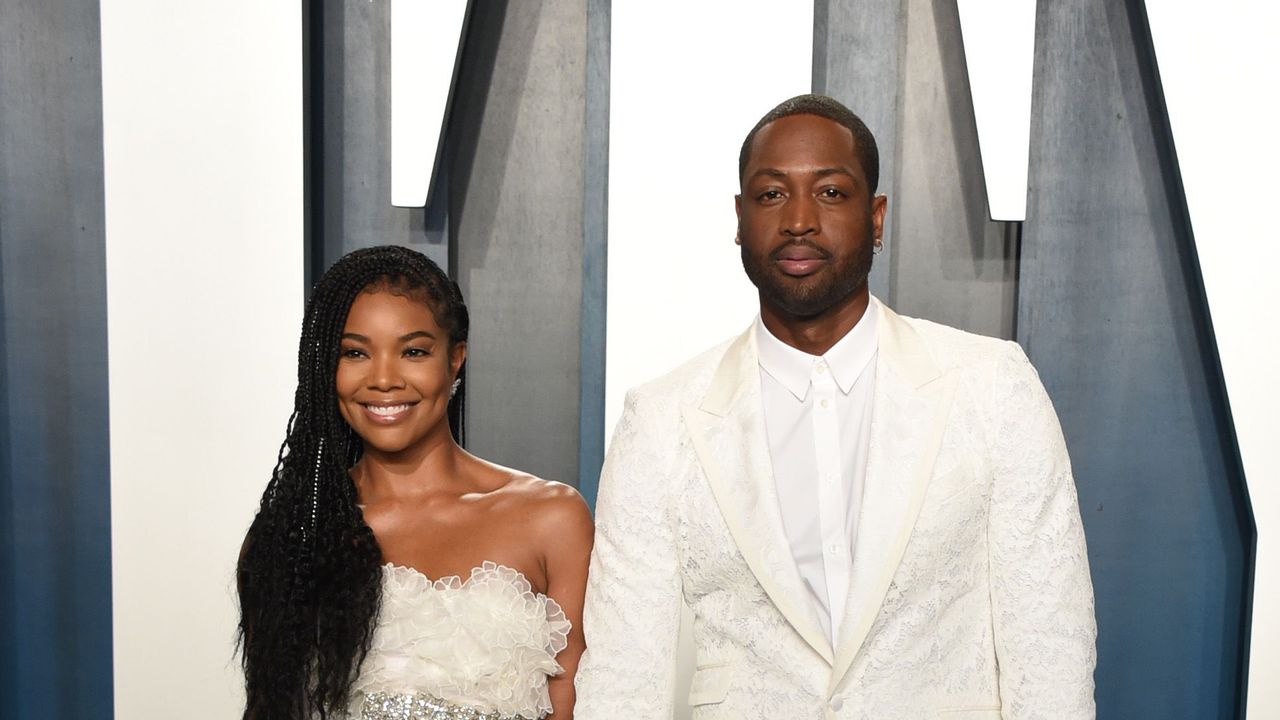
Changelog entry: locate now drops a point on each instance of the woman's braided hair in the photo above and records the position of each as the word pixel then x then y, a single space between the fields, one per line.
pixel 309 576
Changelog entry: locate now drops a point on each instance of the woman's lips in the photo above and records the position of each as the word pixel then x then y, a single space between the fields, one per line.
pixel 386 414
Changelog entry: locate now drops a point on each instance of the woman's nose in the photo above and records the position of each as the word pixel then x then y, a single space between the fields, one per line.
pixel 385 374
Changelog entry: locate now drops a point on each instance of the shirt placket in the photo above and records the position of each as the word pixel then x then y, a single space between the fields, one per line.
pixel 831 503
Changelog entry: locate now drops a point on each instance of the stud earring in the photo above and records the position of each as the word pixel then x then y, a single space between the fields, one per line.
pixel 453 389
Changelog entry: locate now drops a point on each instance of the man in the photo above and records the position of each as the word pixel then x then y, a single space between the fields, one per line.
pixel 871 516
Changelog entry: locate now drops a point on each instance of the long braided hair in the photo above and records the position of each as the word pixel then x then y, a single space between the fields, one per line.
pixel 309 575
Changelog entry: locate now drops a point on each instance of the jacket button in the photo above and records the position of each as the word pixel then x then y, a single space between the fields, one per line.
pixel 836 704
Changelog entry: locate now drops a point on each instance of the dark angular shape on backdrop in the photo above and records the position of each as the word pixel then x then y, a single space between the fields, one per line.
pixel 1112 311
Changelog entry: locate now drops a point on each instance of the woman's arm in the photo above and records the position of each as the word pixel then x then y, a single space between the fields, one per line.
pixel 567 531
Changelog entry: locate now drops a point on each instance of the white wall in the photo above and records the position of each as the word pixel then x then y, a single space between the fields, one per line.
pixel 202 118
pixel 1217 70
pixel 684 89
pixel 999 53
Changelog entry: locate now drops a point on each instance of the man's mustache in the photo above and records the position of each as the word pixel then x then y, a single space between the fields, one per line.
pixel 800 242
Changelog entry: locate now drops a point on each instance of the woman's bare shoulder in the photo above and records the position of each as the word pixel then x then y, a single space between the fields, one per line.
pixel 544 506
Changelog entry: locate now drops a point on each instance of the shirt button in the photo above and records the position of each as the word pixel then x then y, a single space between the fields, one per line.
pixel 823 403
pixel 828 477
pixel 834 549
pixel 836 704
pixel 822 367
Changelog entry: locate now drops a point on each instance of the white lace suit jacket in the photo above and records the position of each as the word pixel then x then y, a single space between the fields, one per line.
pixel 970 596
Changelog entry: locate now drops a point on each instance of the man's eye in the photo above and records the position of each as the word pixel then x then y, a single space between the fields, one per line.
pixel 831 193
pixel 770 195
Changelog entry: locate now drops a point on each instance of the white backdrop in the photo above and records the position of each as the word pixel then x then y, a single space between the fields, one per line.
pixel 202 122
pixel 1217 70
pixel 681 98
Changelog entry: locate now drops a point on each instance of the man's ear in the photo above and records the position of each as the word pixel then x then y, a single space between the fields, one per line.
pixel 879 209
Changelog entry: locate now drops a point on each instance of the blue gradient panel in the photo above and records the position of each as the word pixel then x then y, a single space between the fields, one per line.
pixel 595 244
pixel 8 585
pixel 55 479
pixel 1112 313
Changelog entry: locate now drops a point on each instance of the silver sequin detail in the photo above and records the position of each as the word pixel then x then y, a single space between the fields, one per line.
pixel 421 706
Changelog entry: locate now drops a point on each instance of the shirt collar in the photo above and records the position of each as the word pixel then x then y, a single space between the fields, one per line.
pixel 845 360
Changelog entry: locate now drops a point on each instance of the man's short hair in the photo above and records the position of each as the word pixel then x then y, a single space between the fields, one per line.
pixel 864 143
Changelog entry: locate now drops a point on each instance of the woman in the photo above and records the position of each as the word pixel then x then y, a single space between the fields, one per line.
pixel 389 573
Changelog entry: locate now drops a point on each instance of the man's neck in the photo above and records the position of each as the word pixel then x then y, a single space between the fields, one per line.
pixel 816 334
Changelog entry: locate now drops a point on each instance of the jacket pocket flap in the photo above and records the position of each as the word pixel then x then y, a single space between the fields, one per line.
pixel 710 685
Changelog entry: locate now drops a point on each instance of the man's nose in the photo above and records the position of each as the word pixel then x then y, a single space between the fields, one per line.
pixel 800 216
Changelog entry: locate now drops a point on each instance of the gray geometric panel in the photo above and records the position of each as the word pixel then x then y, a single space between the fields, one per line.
pixel 595 223
pixel 1111 312
pixel 515 172
pixel 507 203
pixel 856 60
pixel 951 263
pixel 349 147
pixel 900 65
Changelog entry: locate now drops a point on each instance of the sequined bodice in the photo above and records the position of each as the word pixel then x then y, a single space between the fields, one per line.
pixel 478 648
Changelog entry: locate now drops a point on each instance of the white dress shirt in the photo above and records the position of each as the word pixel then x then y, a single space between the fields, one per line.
pixel 818 420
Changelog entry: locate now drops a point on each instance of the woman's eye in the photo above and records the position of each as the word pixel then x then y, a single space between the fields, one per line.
pixel 352 353
pixel 417 353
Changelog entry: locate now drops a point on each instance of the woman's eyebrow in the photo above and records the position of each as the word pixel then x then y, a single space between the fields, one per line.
pixel 403 338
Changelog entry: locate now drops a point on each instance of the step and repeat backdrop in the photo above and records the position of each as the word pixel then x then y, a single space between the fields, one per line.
pixel 1090 179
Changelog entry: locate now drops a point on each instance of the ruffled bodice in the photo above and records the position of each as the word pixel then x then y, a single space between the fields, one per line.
pixel 488 642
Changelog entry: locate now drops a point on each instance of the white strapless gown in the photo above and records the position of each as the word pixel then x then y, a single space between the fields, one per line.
pixel 454 649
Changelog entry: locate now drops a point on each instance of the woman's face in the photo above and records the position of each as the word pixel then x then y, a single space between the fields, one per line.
pixel 395 369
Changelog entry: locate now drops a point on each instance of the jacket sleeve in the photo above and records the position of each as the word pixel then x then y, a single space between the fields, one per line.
pixel 1041 594
pixel 632 612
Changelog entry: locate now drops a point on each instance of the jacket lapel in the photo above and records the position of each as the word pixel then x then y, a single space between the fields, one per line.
pixel 728 432
pixel 909 413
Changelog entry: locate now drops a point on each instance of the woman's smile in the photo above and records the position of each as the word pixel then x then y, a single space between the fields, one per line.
pixel 387 414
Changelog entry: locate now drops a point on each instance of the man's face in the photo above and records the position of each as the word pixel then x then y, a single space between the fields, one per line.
pixel 806 218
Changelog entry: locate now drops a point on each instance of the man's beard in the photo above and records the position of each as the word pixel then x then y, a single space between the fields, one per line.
pixel 809 296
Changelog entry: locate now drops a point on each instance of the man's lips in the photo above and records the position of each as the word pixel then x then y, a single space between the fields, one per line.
pixel 800 268
pixel 386 413
pixel 799 260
